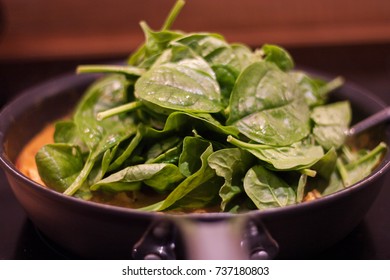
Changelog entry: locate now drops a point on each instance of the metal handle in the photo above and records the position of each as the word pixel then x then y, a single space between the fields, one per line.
pixel 213 239
pixel 381 116
pixel 228 239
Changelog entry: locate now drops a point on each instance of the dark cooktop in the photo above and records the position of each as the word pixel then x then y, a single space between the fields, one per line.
pixel 367 66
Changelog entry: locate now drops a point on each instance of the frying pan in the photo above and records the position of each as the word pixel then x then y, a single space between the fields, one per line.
pixel 96 231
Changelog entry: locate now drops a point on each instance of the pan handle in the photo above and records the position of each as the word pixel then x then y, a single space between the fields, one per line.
pixel 238 237
pixel 227 239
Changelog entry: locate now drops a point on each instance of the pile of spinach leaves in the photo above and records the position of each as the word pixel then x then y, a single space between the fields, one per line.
pixel 205 123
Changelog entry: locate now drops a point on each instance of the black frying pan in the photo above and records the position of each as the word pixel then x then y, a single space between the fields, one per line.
pixel 96 231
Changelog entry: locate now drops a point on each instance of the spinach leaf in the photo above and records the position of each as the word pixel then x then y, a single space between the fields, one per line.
pixel 59 164
pixel 314 90
pixel 332 185
pixel 331 122
pixel 338 113
pixel 352 172
pixel 189 161
pixel 266 189
pixel 159 176
pixel 197 179
pixel 309 88
pixel 99 170
pixel 182 86
pixel 301 187
pixel 170 156
pixel 156 41
pixel 231 164
pixel 66 132
pixel 99 136
pixel 244 55
pixel 182 123
pixel 226 77
pixel 327 164
pixel 259 87
pixel 278 56
pixel 129 150
pixel 226 60
pixel 213 48
pixel 299 155
pixel 266 108
pixel 281 126
pixel 161 147
pixel 204 195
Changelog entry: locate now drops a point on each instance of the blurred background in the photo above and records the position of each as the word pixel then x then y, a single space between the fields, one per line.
pixel 40 39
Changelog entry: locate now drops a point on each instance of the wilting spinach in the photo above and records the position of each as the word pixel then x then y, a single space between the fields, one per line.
pixel 201 122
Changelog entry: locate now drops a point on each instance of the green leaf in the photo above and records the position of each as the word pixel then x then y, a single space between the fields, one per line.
pixel 338 113
pixel 204 174
pixel 301 187
pixel 259 87
pixel 231 164
pixel 298 156
pixel 213 48
pixel 327 164
pixel 244 55
pixel 106 93
pixel 267 190
pixel 66 132
pixel 135 141
pixel 182 123
pixel 226 77
pixel 161 148
pixel 180 86
pixel 58 165
pixel 155 41
pixel 361 167
pixel 309 88
pixel 100 136
pixel 204 195
pixel 333 184
pixel 189 161
pixel 159 176
pixel 281 126
pixel 279 56
pixel 331 122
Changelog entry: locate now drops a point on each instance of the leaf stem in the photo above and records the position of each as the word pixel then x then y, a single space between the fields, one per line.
pixel 377 150
pixel 240 143
pixel 332 85
pixel 78 182
pixel 117 69
pixel 118 110
pixel 130 148
pixel 342 171
pixel 173 14
pixel 309 172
